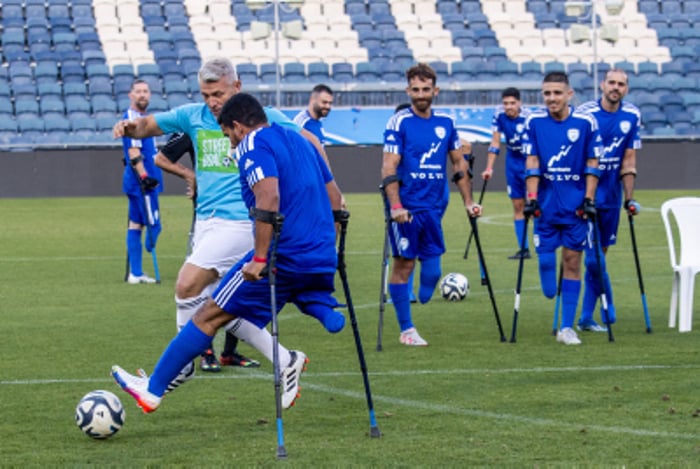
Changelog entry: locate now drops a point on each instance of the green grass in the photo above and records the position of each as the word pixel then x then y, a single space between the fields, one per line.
pixel 467 400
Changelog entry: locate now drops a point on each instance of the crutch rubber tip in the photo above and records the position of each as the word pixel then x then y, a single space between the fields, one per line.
pixel 374 432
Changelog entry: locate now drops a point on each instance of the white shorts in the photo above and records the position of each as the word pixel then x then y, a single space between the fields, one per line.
pixel 219 243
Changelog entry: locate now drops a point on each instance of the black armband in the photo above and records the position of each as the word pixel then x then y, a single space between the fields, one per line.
pixel 457 176
pixel 629 172
pixel 135 161
pixel 390 180
pixel 266 216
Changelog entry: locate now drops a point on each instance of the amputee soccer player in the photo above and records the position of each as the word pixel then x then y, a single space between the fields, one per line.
pixel 320 103
pixel 619 123
pixel 509 121
pixel 417 142
pixel 562 148
pixel 223 231
pixel 281 173
pixel 178 145
pixel 141 178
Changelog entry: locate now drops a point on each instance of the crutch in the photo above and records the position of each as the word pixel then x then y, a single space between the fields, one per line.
pixel 383 293
pixel 471 235
pixel 277 222
pixel 518 284
pixel 342 217
pixel 647 320
pixel 601 272
pixel 475 231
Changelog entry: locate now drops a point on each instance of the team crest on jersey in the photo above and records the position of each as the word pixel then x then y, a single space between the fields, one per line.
pixel 519 128
pixel 248 163
pixel 440 132
pixel 573 134
pixel 625 126
pixel 403 244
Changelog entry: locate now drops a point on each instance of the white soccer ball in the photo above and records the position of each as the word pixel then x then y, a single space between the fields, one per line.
pixel 454 287
pixel 100 414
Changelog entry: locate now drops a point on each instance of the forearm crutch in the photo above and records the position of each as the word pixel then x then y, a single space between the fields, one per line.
pixel 647 320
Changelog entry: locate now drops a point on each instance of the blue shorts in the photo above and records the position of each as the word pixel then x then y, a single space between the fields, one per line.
pixel 608 223
pixel 137 208
pixel 421 238
pixel 549 237
pixel 515 178
pixel 251 300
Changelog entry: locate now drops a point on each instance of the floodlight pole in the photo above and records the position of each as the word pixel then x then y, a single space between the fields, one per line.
pixel 278 99
pixel 594 28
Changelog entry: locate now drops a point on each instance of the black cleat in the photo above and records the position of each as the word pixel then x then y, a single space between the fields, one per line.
pixel 524 254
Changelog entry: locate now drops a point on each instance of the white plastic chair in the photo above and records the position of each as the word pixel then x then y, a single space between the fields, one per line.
pixel 686 211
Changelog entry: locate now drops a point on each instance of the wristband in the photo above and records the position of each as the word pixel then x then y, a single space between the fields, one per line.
pixel 494 150
pixel 396 206
pixel 532 195
pixel 260 260
pixel 489 170
pixel 144 176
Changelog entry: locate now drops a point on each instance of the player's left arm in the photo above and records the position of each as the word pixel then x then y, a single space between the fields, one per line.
pixel 464 184
pixel 628 172
pixel 267 203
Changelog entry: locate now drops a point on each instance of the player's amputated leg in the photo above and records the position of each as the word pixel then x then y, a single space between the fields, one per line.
pixel 430 272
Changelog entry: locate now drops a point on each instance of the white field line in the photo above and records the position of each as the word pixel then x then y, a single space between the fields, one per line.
pixel 440 408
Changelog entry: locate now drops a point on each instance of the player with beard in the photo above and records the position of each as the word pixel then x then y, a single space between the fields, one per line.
pixel 320 103
pixel 417 143
pixel 619 123
pixel 141 176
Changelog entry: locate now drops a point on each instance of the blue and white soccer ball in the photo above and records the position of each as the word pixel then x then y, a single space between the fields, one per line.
pixel 100 414
pixel 454 287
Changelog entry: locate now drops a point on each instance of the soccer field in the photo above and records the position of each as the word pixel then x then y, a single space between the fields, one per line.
pixel 466 400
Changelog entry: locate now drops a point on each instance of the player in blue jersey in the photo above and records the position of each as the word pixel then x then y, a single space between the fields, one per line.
pixel 141 178
pixel 223 231
pixel 562 148
pixel 508 121
pixel 320 103
pixel 167 159
pixel 619 123
pixel 417 143
pixel 280 173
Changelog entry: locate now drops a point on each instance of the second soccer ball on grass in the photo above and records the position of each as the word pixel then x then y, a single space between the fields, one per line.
pixel 454 287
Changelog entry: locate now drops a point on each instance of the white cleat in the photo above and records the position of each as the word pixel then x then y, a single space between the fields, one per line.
pixel 568 336
pixel 134 280
pixel 137 386
pixel 411 337
pixel 289 378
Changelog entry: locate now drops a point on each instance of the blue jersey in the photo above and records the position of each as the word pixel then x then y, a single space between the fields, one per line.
pixel 304 120
pixel 563 149
pixel 130 182
pixel 619 131
pixel 218 182
pixel 423 145
pixel 511 130
pixel 307 239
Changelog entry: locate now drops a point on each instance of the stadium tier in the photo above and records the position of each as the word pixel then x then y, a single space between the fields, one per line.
pixel 67 64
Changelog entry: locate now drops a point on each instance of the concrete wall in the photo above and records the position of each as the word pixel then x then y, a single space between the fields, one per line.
pixel 97 172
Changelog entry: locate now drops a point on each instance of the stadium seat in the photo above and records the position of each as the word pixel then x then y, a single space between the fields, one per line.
pixel 77 105
pixel 393 72
pixel 103 103
pixel 57 124
pixel 342 72
pixel 461 71
pixel 318 72
pixel 52 106
pixel 24 92
pixel 294 72
pixel 367 72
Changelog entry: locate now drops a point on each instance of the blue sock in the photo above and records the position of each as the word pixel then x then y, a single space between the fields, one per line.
pixel 548 273
pixel 590 297
pixel 429 278
pixel 570 291
pixel 133 246
pixel 519 228
pixel 402 305
pixel 411 296
pixel 184 348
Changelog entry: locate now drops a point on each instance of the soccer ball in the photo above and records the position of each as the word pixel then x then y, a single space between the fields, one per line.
pixel 454 287
pixel 100 414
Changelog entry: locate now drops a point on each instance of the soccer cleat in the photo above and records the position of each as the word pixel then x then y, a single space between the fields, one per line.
pixel 567 336
pixel 135 280
pixel 523 254
pixel 209 363
pixel 290 378
pixel 238 360
pixel 411 337
pixel 591 326
pixel 137 386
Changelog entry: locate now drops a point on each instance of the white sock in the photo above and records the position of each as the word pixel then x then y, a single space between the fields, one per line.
pixel 260 339
pixel 186 307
